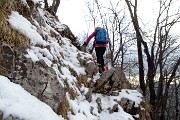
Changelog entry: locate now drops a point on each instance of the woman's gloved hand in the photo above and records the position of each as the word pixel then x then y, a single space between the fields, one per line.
pixel 83 47
pixel 84 44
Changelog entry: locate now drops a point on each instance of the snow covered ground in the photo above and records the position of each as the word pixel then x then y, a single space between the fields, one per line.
pixel 18 102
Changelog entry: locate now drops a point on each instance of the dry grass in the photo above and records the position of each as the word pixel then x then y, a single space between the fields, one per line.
pixel 11 37
pixel 15 5
pixel 73 94
pixel 3 14
pixel 7 34
pixel 82 79
pixel 64 108
pixel 2 70
pixel 145 114
pixel 53 34
pixel 64 105
pixel 124 85
pixel 73 72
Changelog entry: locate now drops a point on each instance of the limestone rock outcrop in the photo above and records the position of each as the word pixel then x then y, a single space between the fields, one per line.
pixel 37 77
pixel 112 80
pixel 111 83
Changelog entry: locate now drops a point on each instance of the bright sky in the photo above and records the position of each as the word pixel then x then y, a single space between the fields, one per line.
pixel 72 12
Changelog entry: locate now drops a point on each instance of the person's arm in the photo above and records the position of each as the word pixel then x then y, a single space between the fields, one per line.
pixel 90 37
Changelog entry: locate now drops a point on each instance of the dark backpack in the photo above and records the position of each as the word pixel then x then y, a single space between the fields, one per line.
pixel 100 37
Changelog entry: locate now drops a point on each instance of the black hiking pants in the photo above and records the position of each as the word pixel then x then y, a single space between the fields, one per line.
pixel 99 54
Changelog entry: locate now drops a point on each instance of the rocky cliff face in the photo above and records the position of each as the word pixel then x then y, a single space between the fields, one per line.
pixel 43 75
pixel 37 78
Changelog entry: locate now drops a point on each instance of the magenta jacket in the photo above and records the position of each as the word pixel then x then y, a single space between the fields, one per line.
pixel 96 45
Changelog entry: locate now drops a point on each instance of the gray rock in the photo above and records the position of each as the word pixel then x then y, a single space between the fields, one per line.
pixel 37 78
pixel 90 68
pixel 91 110
pixel 123 102
pixel 88 95
pixel 83 48
pixel 114 93
pixel 114 109
pixel 87 62
pixel 110 81
pixel 120 81
pixel 82 58
pixel 98 101
pixel 42 82
pixel 103 79
pixel 7 57
pixel 130 105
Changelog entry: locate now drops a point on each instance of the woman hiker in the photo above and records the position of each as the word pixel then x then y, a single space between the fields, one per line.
pixel 100 45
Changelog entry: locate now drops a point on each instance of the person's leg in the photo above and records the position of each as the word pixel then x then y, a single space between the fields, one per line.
pixel 99 54
pixel 103 49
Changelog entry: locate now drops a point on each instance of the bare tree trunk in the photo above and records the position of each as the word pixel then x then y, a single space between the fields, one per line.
pixel 177 99
pixel 173 74
pixel 53 8
pixel 159 60
pixel 139 39
pixel 45 4
pixel 161 78
pixel 56 6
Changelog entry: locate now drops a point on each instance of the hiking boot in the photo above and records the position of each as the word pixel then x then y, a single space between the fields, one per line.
pixel 103 69
pixel 100 70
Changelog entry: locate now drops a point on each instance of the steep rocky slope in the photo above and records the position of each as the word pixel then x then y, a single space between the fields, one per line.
pixel 42 55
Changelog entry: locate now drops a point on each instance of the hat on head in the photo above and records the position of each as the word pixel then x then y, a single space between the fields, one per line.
pixel 97 27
